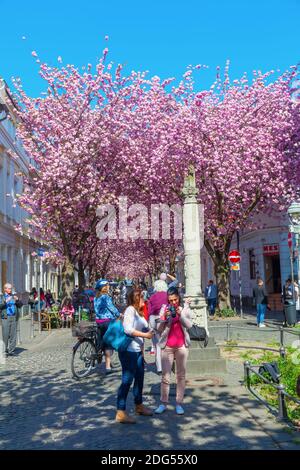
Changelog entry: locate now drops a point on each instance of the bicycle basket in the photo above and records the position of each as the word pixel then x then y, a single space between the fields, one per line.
pixel 84 329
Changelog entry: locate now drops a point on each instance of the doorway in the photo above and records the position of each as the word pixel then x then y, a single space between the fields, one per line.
pixel 273 274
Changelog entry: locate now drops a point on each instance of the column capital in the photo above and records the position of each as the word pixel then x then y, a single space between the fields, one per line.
pixel 189 192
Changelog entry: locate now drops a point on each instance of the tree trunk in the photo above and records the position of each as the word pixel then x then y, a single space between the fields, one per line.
pixel 222 273
pixel 81 276
pixel 68 280
pixel 172 263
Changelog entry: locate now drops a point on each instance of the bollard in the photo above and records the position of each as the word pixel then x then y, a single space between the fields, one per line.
pixel 247 373
pixel 32 322
pixel 281 337
pixel 40 319
pixel 18 333
pixel 282 416
pixel 282 352
pixel 228 331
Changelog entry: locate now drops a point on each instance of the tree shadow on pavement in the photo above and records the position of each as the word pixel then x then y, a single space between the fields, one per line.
pixel 47 409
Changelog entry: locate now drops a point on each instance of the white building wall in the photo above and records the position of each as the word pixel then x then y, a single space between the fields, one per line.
pixel 17 264
pixel 271 230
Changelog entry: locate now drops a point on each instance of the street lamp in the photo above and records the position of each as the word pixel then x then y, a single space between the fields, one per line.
pixel 294 227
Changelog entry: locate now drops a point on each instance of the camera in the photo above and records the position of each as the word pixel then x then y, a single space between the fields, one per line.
pixel 172 310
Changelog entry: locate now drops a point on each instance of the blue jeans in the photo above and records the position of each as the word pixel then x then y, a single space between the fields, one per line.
pixel 261 311
pixel 132 370
pixel 212 303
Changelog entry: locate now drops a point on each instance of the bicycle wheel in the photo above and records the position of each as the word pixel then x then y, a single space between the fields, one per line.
pixel 83 358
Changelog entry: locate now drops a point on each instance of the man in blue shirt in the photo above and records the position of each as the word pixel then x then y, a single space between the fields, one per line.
pixel 9 304
pixel 211 295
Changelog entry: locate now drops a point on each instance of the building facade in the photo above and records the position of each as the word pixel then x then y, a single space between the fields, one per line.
pixel 264 253
pixel 18 264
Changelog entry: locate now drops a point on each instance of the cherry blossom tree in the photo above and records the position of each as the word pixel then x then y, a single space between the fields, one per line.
pixel 73 139
pixel 96 136
pixel 239 137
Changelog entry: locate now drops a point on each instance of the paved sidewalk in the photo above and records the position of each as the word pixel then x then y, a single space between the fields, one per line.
pixel 42 407
pixel 25 335
pixel 218 329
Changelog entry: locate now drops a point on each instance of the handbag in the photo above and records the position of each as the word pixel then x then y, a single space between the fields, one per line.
pixel 115 336
pixel 198 333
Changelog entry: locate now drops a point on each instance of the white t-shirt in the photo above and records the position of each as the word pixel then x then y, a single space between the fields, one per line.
pixel 133 321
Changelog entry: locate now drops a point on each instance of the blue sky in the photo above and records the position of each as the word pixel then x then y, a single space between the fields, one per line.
pixel 162 36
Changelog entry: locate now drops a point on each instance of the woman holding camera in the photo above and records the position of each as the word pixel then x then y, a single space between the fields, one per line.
pixel 174 341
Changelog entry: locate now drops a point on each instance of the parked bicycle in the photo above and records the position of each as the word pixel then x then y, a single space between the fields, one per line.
pixel 86 352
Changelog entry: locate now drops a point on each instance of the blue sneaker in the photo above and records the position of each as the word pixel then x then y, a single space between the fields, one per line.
pixel 179 410
pixel 160 409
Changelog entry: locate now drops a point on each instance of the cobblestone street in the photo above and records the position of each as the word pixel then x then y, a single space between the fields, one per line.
pixel 43 407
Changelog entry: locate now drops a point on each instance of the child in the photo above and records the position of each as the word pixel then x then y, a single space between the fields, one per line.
pixel 67 313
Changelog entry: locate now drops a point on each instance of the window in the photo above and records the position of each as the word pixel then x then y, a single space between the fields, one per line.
pixel 252 264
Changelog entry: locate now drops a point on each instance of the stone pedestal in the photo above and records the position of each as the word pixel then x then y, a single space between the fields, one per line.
pixel 205 360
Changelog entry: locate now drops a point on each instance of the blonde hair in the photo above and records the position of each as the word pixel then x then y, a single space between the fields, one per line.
pixel 100 291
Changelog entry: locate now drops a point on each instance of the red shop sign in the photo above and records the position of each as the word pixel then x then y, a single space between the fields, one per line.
pixel 271 250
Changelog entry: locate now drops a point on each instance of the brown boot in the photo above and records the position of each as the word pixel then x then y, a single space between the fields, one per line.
pixel 123 417
pixel 143 410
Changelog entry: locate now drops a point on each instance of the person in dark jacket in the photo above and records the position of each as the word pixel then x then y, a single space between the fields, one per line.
pixel 9 305
pixel 211 296
pixel 261 301
pixel 49 299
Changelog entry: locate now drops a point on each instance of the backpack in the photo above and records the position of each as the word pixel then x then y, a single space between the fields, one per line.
pixel 271 371
pixel 288 293
pixel 198 333
pixel 115 336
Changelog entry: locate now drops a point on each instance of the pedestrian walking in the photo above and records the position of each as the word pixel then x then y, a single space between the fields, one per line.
pixel 145 296
pixel 174 342
pixel 260 300
pixel 106 312
pixel 9 305
pixel 132 360
pixel 211 295
pixel 42 300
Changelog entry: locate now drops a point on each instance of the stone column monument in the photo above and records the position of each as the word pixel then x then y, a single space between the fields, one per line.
pixel 208 360
pixel 193 237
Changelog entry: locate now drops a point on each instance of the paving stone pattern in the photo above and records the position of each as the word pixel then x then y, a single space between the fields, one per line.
pixel 43 407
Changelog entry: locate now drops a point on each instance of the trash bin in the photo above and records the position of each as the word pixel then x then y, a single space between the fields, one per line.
pixel 290 313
